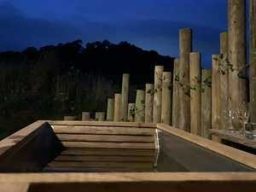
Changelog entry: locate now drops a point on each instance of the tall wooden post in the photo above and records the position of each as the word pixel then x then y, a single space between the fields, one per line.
pixel 86 116
pixel 206 103
pixel 216 108
pixel 149 103
pixel 117 107
pixel 185 49
pixel 166 113
pixel 110 109
pixel 236 55
pixel 224 101
pixel 175 96
pixel 140 106
pixel 157 107
pixel 195 93
pixel 131 112
pixel 125 94
pixel 253 61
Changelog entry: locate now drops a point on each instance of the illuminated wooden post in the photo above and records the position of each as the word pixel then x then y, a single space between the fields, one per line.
pixel 216 108
pixel 166 98
pixel 157 106
pixel 236 55
pixel 175 96
pixel 185 49
pixel 149 103
pixel 125 94
pixel 110 109
pixel 69 118
pixel 253 61
pixel 195 93
pixel 140 106
pixel 100 116
pixel 131 112
pixel 224 102
pixel 206 103
pixel 117 107
pixel 86 116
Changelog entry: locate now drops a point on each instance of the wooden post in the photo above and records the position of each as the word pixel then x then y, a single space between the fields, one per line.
pixel 86 116
pixel 216 108
pixel 149 103
pixel 185 49
pixel 117 107
pixel 69 118
pixel 100 116
pixel 206 103
pixel 236 55
pixel 110 109
pixel 125 94
pixel 157 105
pixel 131 112
pixel 175 97
pixel 140 106
pixel 195 93
pixel 166 113
pixel 224 102
pixel 253 61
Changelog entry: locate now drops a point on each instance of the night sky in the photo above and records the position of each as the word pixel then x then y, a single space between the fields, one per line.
pixel 149 24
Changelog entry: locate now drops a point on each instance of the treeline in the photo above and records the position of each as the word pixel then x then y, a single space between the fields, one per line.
pixel 54 81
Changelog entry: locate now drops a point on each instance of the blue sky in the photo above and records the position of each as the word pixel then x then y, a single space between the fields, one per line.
pixel 150 24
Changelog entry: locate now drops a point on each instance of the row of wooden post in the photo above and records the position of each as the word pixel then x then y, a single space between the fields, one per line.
pixel 192 98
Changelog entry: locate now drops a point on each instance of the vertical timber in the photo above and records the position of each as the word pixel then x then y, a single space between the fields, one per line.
pixel 195 93
pixel 185 42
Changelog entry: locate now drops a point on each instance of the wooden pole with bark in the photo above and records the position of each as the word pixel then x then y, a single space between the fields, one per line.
pixel 175 96
pixel 166 112
pixel 149 103
pixel 110 109
pixel 157 106
pixel 195 92
pixel 140 106
pixel 237 58
pixel 206 103
pixel 185 42
pixel 125 94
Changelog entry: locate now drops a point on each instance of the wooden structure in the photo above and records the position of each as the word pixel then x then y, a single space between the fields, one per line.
pixel 235 139
pixel 72 147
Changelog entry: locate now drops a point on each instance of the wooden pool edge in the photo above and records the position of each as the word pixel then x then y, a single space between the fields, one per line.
pixel 226 151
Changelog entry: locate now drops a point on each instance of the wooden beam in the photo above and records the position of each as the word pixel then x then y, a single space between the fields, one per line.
pixel 125 95
pixel 117 107
pixel 185 48
pixel 149 103
pixel 195 93
pixel 157 107
pixel 237 58
pixel 110 109
pixel 140 106
pixel 175 97
pixel 206 103
pixel 166 113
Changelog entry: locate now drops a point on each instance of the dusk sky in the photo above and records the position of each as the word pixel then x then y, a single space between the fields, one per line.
pixel 149 24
